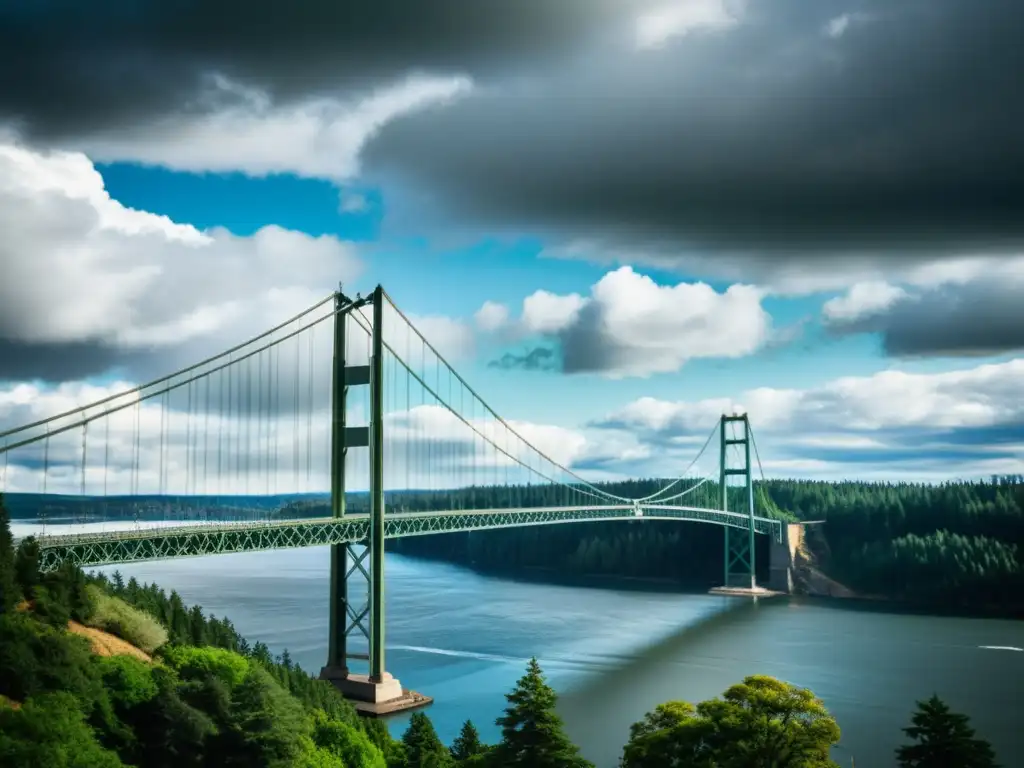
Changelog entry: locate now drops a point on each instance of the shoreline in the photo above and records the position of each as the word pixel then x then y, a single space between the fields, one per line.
pixel 846 599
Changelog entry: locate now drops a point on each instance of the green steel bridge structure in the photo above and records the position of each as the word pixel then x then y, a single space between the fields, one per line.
pixel 224 427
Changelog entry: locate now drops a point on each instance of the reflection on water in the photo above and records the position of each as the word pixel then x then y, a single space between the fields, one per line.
pixel 613 654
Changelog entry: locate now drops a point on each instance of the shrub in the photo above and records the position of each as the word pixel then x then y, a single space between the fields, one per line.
pixel 118 618
pixel 129 682
pixel 348 742
pixel 199 663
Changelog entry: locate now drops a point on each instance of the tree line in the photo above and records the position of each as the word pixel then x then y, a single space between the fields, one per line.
pixel 954 543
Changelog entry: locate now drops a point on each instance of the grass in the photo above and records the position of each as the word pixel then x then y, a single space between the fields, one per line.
pixel 118 618
pixel 107 644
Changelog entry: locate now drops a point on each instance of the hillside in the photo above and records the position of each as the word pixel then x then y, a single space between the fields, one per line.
pixel 810 564
pixel 107 644
pixel 104 674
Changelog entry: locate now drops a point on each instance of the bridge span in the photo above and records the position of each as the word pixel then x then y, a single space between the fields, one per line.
pixel 245 425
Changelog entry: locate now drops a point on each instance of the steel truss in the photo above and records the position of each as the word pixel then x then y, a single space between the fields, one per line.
pixel 115 547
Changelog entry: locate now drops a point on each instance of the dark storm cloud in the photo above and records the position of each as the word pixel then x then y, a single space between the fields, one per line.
pixel 537 359
pixel 973 320
pixel 899 137
pixel 71 67
pixel 56 362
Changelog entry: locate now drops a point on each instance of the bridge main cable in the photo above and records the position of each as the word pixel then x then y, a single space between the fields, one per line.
pixel 168 377
pixel 588 488
pixel 682 477
pixel 9 446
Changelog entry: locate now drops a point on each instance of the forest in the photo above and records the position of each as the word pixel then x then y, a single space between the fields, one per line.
pixel 956 544
pixel 185 689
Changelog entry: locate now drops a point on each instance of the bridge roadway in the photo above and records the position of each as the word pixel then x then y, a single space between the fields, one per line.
pixel 140 544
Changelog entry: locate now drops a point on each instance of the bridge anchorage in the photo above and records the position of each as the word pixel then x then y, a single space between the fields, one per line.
pixel 219 454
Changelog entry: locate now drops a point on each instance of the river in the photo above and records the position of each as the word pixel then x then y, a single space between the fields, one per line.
pixel 613 654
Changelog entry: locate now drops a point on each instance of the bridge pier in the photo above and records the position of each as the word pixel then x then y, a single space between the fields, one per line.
pixel 377 692
pixel 739 551
pixel 740 577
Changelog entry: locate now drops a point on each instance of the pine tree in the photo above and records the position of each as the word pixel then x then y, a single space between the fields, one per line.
pixel 423 748
pixel 944 738
pixel 26 566
pixel 9 593
pixel 467 743
pixel 532 732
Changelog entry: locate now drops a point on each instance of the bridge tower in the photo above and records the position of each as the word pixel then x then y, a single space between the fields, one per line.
pixel 740 566
pixel 376 692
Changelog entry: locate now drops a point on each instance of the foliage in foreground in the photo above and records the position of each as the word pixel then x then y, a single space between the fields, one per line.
pixel 943 738
pixel 531 730
pixel 761 721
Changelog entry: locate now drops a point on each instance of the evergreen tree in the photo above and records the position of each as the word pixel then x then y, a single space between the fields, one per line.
pixel 26 566
pixel 267 725
pixel 944 738
pixel 532 732
pixel 467 743
pixel 423 749
pixel 9 593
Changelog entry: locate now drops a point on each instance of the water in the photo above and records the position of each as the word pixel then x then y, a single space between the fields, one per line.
pixel 613 654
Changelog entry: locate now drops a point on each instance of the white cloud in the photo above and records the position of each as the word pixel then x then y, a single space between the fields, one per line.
pixel 81 267
pixel 491 317
pixel 891 425
pixel 800 276
pixel 632 326
pixel 974 397
pixel 862 300
pixel 451 337
pixel 682 17
pixel 966 308
pixel 547 313
pixel 243 130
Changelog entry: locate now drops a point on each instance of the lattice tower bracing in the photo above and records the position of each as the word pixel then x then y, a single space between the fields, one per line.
pixel 355 565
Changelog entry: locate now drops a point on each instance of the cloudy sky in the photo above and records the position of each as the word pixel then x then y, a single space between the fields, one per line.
pixel 620 218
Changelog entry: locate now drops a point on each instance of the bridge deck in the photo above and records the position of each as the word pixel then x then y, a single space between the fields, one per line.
pixel 125 546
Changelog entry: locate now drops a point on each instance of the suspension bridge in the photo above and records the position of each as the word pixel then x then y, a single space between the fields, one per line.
pixel 343 426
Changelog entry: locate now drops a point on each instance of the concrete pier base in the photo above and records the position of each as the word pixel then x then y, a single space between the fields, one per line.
pixel 744 592
pixel 374 699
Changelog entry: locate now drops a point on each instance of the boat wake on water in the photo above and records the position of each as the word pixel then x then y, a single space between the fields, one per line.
pixel 458 654
pixel 1001 648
